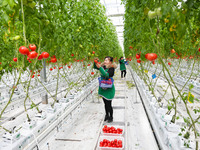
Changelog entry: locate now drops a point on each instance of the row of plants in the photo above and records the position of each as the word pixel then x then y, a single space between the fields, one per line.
pixel 59 32
pixel 164 35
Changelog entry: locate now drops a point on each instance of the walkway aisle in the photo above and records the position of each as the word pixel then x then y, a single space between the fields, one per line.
pixel 139 132
pixel 83 131
pixel 80 132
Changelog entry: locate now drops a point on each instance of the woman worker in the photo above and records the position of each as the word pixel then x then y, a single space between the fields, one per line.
pixel 107 70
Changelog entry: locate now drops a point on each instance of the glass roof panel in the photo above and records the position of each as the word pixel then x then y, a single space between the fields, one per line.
pixel 115 12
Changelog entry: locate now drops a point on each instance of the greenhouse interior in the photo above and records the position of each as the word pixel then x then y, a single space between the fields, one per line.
pixel 100 75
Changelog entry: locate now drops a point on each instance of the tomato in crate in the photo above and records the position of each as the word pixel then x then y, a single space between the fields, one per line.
pixel 111 143
pixel 112 130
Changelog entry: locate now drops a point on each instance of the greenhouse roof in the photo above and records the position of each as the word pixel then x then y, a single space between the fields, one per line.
pixel 115 11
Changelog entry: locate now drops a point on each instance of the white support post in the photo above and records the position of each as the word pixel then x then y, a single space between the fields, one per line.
pixel 44 79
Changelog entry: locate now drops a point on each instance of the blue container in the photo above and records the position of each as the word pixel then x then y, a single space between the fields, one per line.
pixel 105 83
pixel 126 62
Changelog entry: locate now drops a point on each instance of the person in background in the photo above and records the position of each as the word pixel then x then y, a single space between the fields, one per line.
pixel 107 70
pixel 122 67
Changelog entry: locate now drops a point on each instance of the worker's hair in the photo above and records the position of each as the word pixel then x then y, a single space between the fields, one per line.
pixel 110 58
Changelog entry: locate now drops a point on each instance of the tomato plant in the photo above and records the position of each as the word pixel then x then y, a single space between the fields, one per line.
pixel 68 32
pixel 169 29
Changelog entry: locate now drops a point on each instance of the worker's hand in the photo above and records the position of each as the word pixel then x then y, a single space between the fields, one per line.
pixel 98 65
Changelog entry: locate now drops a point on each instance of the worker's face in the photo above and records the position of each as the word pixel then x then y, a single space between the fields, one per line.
pixel 122 58
pixel 107 62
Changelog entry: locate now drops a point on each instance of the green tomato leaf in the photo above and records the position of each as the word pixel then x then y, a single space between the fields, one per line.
pixel 3 3
pixel 11 3
pixel 6 17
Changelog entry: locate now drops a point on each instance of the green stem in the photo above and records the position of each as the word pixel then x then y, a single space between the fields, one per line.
pixel 6 129
pixel 46 89
pixel 174 100
pixel 24 27
pixel 13 89
pixel 56 87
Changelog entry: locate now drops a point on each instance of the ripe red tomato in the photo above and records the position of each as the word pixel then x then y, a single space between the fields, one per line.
pixel 153 62
pixel 92 73
pixel 15 59
pixel 53 60
pixel 32 47
pixel 23 50
pixel 138 61
pixel 32 55
pixel 199 49
pixel 130 47
pixel 109 144
pixel 177 54
pixel 119 132
pixel 40 57
pixel 96 61
pixel 38 75
pixel 101 144
pixel 88 64
pixel 69 67
pixel 119 141
pixel 0 63
pixel 45 55
pixel 93 52
pixel 130 59
pixel 32 76
pixel 137 56
pixel 172 51
pixel 190 57
pixel 151 56
pixel 169 63
pixel 72 55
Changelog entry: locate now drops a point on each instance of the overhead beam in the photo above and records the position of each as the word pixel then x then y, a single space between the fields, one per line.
pixel 115 15
pixel 119 25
